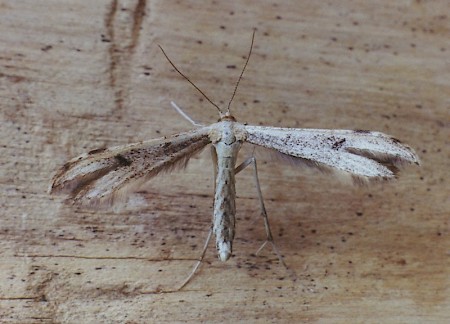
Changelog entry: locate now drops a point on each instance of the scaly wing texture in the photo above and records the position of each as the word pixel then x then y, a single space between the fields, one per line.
pixel 102 175
pixel 363 155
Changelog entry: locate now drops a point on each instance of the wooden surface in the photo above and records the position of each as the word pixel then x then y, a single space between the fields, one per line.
pixel 79 75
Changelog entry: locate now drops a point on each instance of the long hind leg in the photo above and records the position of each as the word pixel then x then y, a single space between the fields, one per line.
pixel 269 236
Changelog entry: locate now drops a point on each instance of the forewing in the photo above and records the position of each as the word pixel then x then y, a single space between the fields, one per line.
pixel 364 155
pixel 104 174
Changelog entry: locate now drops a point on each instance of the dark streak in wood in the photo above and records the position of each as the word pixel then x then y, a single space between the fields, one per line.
pixel 123 39
pixel 109 21
pixel 138 17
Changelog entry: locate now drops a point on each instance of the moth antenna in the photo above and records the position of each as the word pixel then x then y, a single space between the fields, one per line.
pixel 242 72
pixel 192 83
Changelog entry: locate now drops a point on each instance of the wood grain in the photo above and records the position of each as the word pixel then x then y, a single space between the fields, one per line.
pixel 81 75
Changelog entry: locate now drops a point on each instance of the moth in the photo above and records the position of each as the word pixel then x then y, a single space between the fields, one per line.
pixel 103 175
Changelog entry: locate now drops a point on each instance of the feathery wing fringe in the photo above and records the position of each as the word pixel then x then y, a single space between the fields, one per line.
pixel 102 175
pixel 362 155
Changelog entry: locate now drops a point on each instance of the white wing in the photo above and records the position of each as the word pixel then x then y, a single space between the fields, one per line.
pixel 101 175
pixel 364 155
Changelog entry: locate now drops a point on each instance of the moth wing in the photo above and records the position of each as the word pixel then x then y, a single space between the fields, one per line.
pixel 102 175
pixel 363 155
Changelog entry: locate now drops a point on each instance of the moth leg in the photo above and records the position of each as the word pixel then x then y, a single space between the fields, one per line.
pixel 269 236
pixel 199 262
pixel 202 256
pixel 186 116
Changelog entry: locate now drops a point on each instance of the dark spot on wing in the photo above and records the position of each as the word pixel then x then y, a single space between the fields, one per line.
pixel 362 131
pixel 97 151
pixel 396 141
pixel 66 166
pixel 338 144
pixel 122 161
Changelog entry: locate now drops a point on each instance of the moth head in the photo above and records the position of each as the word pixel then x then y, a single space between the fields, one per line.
pixel 227 117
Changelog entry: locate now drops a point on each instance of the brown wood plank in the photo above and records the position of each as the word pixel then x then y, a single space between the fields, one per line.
pixel 80 75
